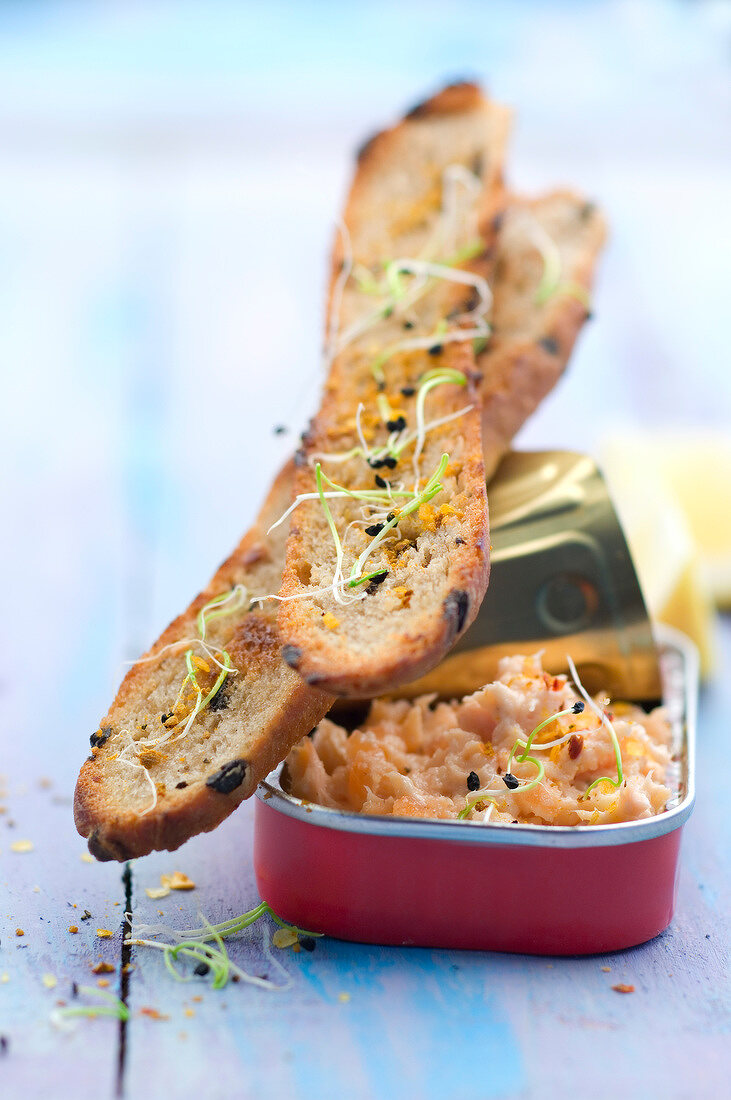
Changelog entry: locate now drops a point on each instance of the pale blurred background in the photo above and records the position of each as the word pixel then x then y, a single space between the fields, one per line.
pixel 169 178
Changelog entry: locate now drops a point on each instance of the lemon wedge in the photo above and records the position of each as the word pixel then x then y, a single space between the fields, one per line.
pixel 668 547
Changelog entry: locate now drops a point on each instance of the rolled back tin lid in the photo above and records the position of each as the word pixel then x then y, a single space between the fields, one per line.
pixel 562 581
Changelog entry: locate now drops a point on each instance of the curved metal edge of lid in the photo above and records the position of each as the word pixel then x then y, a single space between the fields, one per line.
pixel 680 695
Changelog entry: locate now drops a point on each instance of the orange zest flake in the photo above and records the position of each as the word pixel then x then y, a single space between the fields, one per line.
pixel 428 517
pixel 622 987
pixel 402 594
pixel 149 757
pixel 104 933
pixel 446 510
pixel 73 929
pixel 152 1013
pixel 19 932
pixel 330 621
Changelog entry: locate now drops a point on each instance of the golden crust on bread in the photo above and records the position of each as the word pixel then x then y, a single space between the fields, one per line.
pixel 229 748
pixel 432 574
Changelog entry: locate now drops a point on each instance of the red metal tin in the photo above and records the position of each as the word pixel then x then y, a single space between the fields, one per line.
pixel 534 889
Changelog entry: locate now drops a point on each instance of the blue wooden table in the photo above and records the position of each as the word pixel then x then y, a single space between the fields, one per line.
pixel 168 179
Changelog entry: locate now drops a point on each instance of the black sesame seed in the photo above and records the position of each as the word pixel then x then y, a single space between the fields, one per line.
pixel 375 529
pixel 549 344
pixel 100 736
pixel 436 349
pixel 577 708
pixel 381 482
pixel 376 463
pixel 221 699
pixel 409 324
pixel 201 969
pixel 164 717
pixel 459 541
pixel 280 429
pixel 456 607
pixel 291 655
pixel 381 386
pixel 74 989
pixel 87 915
pixel 390 516
pixel 4 1044
pixel 396 425
pixel 374 582
pixel 473 782
pixel 307 943
pixel 391 462
pixel 179 786
pixel 228 778
pixel 408 391
pixel 510 781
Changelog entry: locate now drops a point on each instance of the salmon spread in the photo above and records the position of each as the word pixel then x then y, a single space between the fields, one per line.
pixel 528 748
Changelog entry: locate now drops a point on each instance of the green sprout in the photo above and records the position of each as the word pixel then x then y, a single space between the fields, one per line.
pixel 110 1006
pixel 205 946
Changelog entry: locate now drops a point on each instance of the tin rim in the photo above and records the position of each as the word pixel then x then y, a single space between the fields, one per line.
pixel 679 663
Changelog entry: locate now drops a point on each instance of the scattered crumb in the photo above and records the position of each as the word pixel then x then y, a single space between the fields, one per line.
pixel 153 1013
pixel 50 981
pixel 22 846
pixel 36 889
pixel 102 982
pixel 606 969
pixel 189 1012
pixel 102 968
pixel 622 988
pixel 86 857
pixel 344 997
pixel 157 891
pixel 73 928
pixel 197 999
pixel 19 932
pixel 284 937
pixel 177 881
pixel 103 933
pixel 45 784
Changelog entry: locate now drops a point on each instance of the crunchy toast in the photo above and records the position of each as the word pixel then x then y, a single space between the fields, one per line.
pixel 152 783
pixel 546 255
pixel 378 581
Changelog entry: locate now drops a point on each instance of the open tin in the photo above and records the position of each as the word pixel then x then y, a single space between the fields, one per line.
pixel 536 889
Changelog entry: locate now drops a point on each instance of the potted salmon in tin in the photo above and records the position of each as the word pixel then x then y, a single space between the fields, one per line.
pixel 541 811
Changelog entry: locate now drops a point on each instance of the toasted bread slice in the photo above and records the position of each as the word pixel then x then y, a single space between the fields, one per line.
pixel 138 792
pixel 377 589
pixel 546 255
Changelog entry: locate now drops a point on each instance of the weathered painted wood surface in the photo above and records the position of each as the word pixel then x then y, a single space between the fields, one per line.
pixel 160 295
